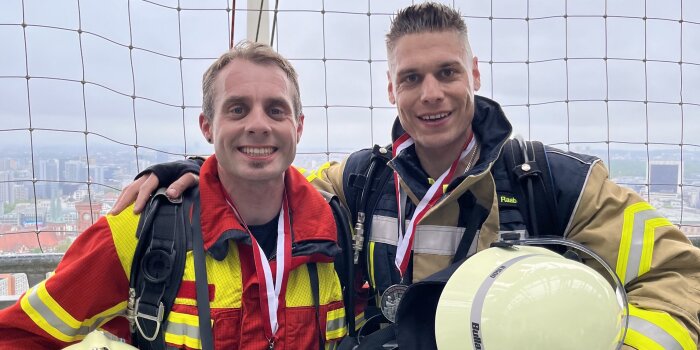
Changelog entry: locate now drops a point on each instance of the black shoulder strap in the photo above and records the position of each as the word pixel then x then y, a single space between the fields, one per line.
pixel 157 269
pixel 315 294
pixel 201 284
pixel 344 261
pixel 528 167
pixel 368 183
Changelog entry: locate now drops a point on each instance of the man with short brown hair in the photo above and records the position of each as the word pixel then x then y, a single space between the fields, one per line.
pixel 266 231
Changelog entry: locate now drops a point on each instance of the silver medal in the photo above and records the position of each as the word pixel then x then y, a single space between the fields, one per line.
pixel 390 300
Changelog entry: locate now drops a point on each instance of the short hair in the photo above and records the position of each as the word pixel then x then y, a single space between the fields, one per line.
pixel 254 52
pixel 426 17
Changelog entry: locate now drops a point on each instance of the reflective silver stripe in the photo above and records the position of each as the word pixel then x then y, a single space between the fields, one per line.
pixel 654 333
pixel 480 296
pixel 335 324
pixel 429 239
pixel 637 243
pixel 53 320
pixel 181 329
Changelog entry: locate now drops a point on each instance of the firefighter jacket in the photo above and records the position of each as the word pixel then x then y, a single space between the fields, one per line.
pixel 653 258
pixel 90 286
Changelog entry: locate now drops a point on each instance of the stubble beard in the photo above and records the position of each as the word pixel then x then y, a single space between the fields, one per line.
pixel 257 165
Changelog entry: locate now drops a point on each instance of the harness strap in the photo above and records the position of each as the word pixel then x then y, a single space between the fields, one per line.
pixel 157 269
pixel 201 283
pixel 367 198
pixel 475 219
pixel 313 278
pixel 528 166
pixel 345 268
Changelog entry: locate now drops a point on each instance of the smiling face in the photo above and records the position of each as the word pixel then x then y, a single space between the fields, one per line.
pixel 253 128
pixel 432 83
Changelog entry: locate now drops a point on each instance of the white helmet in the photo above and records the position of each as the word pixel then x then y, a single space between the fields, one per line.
pixel 526 297
pixel 98 340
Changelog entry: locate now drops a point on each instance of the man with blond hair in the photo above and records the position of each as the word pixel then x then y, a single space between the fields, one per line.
pixel 264 233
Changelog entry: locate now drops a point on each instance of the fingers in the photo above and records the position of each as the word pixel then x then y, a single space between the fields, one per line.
pixel 180 185
pixel 147 187
pixel 139 191
pixel 128 195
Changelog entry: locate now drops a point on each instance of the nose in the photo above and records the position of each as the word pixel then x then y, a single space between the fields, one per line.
pixel 431 91
pixel 258 123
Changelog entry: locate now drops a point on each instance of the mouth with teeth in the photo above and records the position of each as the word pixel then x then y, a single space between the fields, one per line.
pixel 434 117
pixel 257 152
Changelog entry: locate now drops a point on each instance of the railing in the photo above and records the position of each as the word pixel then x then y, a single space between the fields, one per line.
pixel 36 266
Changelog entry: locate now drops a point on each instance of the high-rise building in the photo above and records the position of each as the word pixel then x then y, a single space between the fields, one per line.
pixel 7 193
pixel 75 170
pixel 664 176
pixel 13 283
pixel 48 170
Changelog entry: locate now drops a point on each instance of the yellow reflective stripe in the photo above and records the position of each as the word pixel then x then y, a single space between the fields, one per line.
pixel 301 170
pixel 626 238
pixel 648 246
pixel 656 330
pixel 183 329
pixel 57 309
pixel 640 222
pixel 335 324
pixel 333 345
pixel 639 341
pixel 185 301
pixel 314 174
pixel 371 267
pixel 360 320
pixel 104 316
pixel 38 304
pixel 40 320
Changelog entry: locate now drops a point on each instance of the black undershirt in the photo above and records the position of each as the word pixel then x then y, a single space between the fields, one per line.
pixel 266 235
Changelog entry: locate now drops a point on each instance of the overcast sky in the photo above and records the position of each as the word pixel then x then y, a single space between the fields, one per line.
pixel 353 77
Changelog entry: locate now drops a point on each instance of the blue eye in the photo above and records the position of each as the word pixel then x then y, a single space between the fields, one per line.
pixel 237 110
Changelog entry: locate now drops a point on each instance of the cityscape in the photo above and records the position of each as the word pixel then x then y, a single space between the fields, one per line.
pixel 48 201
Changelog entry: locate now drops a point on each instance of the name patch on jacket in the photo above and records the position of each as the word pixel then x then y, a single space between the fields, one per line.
pixel 506 199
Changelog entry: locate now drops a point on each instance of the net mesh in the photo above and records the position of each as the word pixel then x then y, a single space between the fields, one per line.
pixel 95 91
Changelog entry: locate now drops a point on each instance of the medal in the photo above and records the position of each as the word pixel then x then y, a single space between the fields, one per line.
pixel 390 300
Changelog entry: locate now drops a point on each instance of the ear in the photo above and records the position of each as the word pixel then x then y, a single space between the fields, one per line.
pixel 205 127
pixel 300 127
pixel 475 73
pixel 390 89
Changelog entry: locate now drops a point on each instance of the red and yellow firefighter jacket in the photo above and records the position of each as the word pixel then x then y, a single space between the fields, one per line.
pixel 90 286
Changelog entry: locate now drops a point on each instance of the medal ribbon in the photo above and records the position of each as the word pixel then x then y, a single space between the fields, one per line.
pixel 272 283
pixel 405 242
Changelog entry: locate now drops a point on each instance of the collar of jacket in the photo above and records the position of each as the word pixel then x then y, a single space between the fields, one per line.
pixel 313 226
pixel 491 128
